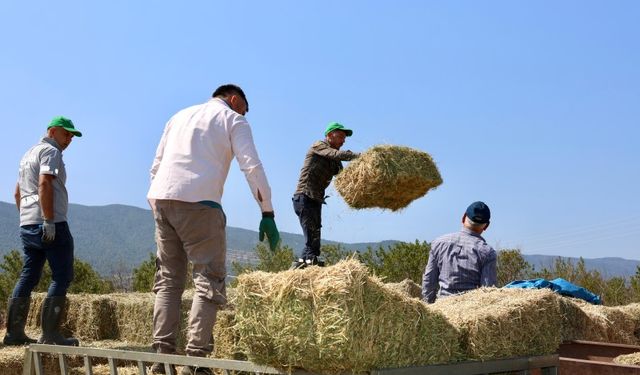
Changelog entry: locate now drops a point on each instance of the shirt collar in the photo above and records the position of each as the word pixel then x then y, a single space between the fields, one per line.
pixel 221 101
pixel 52 142
pixel 470 232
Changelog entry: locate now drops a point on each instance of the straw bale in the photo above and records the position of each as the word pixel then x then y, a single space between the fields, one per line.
pixel 575 322
pixel 337 319
pixel 633 309
pixel 388 177
pixel 226 338
pixel 500 323
pixel 123 316
pixel 608 324
pixel 628 359
pixel 407 287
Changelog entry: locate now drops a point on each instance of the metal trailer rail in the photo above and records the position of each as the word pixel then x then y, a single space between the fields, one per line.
pixel 33 363
pixel 589 357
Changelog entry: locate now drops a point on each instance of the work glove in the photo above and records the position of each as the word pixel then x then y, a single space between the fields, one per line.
pixel 268 228
pixel 48 231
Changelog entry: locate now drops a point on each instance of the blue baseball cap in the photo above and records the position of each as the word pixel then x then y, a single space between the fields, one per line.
pixel 478 212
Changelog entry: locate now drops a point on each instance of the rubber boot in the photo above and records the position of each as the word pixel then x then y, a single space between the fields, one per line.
pixel 52 312
pixel 17 312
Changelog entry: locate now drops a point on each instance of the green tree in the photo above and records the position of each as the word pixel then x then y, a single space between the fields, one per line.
pixel 512 266
pixel 403 260
pixel 85 279
pixel 144 275
pixel 634 283
pixel 268 261
pixel 332 254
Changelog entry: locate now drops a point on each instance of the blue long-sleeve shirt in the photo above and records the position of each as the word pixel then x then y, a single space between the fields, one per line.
pixel 458 262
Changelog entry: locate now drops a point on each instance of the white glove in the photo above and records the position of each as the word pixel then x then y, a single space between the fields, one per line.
pixel 48 231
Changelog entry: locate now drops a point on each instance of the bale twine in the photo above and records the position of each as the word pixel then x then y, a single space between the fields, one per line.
pixel 628 359
pixel 337 319
pixel 407 288
pixel 501 323
pixel 387 176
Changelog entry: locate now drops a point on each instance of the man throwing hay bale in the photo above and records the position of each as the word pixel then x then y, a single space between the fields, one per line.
pixel 323 161
pixel 387 177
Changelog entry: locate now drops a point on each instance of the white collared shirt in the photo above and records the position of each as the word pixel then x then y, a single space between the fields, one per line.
pixel 193 158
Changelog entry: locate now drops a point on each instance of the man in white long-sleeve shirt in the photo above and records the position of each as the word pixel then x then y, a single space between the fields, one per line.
pixel 187 180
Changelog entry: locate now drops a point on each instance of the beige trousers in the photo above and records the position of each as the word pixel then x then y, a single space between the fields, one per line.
pixel 188 232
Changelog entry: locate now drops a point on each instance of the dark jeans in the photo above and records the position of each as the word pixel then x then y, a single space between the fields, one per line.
pixel 59 254
pixel 309 212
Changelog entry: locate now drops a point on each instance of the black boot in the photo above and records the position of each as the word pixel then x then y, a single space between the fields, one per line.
pixel 52 309
pixel 16 318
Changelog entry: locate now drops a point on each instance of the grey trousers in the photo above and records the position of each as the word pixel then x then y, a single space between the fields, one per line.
pixel 188 232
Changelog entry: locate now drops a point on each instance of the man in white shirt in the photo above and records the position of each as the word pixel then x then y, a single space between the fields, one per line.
pixel 187 180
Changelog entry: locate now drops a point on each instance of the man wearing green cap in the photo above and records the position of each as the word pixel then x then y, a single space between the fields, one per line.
pixel 322 162
pixel 41 199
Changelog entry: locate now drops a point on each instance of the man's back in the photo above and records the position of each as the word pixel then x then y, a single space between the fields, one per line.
pixel 458 262
pixel 195 153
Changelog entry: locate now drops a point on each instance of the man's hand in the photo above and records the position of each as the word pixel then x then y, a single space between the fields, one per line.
pixel 268 227
pixel 48 231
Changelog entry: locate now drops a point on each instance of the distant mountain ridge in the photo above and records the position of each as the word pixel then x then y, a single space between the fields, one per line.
pixel 116 237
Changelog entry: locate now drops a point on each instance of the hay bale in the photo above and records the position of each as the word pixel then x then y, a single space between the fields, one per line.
pixel 226 338
pixel 123 316
pixel 337 319
pixel 608 324
pixel 387 176
pixel 406 287
pixel 575 322
pixel 501 323
pixel 628 359
pixel 86 317
pixel 633 309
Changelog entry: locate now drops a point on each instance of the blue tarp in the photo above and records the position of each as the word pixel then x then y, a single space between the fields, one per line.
pixel 558 285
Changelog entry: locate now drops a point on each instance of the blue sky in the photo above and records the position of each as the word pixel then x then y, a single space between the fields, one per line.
pixel 530 106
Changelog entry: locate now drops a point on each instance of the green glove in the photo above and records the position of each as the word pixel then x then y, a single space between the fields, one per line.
pixel 268 227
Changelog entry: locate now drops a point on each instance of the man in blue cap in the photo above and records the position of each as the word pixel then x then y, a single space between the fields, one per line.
pixel 461 261
pixel 41 197
pixel 322 162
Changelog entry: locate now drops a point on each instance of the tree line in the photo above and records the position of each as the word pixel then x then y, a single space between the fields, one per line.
pixel 394 263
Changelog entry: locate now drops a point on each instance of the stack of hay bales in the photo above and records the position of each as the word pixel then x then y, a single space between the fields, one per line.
pixel 501 323
pixel 606 324
pixel 120 316
pixel 387 177
pixel 406 287
pixel 337 319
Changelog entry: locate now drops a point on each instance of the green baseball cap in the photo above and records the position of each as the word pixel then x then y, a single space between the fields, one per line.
pixel 336 126
pixel 66 124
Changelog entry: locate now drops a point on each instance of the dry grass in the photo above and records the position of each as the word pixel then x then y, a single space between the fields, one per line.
pixel 628 359
pixel 337 319
pixel 388 177
pixel 607 324
pixel 407 287
pixel 501 323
